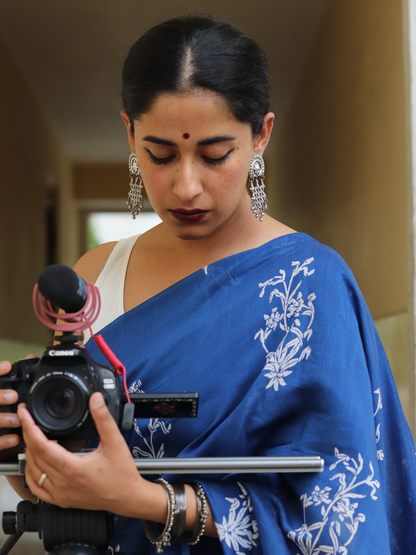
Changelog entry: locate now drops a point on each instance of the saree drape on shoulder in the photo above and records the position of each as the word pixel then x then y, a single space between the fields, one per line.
pixel 281 348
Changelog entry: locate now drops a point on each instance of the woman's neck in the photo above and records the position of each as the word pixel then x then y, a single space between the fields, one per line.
pixel 231 238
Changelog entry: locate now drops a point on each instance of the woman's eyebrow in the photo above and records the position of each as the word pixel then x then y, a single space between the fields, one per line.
pixel 214 140
pixel 204 142
pixel 158 141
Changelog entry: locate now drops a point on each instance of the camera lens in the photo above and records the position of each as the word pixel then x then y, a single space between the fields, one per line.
pixel 61 402
pixel 58 402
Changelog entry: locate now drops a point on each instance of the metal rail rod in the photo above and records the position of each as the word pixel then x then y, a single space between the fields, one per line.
pixel 207 465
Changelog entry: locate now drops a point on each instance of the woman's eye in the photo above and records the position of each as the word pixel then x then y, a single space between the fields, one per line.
pixel 217 161
pixel 159 161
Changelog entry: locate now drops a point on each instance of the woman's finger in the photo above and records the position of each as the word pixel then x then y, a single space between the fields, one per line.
pixel 8 396
pixel 46 451
pixel 107 428
pixel 45 455
pixel 56 486
pixel 32 433
pixel 39 464
pixel 33 473
pixel 33 476
pixel 9 440
pixel 5 367
pixel 40 480
pixel 9 420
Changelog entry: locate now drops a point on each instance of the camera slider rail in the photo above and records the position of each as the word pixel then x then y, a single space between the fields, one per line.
pixel 203 465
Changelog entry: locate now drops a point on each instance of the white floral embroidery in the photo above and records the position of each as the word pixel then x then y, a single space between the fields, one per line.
pixel 294 318
pixel 338 512
pixel 380 453
pixel 239 531
pixel 153 425
pixel 136 387
pixel 379 400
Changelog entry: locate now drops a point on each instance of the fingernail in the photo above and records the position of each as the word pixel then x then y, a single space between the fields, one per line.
pixel 15 420
pixel 10 397
pixel 98 401
pixel 4 365
pixel 13 440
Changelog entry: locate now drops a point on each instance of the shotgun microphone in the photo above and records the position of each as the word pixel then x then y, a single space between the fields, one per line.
pixel 63 287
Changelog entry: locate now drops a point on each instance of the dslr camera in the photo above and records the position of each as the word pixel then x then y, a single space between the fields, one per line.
pixel 57 388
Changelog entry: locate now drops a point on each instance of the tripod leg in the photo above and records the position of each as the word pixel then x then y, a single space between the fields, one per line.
pixel 9 543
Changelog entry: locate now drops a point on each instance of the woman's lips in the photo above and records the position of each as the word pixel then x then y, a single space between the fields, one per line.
pixel 188 216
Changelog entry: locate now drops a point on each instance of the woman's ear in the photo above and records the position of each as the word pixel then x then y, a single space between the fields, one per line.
pixel 262 140
pixel 128 125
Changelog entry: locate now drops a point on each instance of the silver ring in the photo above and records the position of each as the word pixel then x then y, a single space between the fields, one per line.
pixel 42 479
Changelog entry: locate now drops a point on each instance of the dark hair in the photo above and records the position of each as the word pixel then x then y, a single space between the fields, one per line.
pixel 198 51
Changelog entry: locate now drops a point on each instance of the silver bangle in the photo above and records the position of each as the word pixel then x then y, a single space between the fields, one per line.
pixel 164 538
pixel 178 527
pixel 203 514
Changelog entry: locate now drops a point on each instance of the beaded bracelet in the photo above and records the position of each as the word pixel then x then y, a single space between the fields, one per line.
pixel 203 514
pixel 165 537
pixel 178 527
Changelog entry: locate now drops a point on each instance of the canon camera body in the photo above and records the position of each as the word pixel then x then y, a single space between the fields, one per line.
pixel 57 389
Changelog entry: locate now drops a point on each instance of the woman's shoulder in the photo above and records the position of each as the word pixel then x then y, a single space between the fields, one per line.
pixel 92 263
pixel 298 252
pixel 302 245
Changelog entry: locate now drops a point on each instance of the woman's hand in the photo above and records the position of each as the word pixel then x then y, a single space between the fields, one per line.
pixel 11 444
pixel 105 479
pixel 8 419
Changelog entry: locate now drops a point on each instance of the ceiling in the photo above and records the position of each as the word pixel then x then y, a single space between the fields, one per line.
pixel 71 54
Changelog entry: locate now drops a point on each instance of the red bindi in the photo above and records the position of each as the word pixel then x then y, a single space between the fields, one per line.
pixel 186 135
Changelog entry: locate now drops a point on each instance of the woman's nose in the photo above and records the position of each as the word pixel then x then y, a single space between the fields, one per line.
pixel 187 182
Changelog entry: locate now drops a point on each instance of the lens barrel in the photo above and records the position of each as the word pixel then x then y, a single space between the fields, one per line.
pixel 58 402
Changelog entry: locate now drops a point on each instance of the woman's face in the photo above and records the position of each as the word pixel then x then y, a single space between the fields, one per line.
pixel 194 158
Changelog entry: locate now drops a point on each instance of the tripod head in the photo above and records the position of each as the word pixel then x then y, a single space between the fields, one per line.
pixel 63 531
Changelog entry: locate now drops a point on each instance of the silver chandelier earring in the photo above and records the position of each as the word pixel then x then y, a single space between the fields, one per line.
pixel 258 197
pixel 135 197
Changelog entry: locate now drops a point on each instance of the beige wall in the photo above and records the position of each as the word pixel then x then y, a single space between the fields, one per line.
pixel 341 163
pixel 342 154
pixel 31 161
pixel 101 181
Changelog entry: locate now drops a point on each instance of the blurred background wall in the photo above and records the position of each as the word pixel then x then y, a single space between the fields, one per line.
pixel 37 204
pixel 341 166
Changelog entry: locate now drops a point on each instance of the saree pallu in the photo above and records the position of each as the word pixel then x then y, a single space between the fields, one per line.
pixel 281 348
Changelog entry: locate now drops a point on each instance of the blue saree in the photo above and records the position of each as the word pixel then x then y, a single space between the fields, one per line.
pixel 282 349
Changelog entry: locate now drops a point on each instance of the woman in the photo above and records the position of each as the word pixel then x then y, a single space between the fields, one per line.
pixel 266 324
